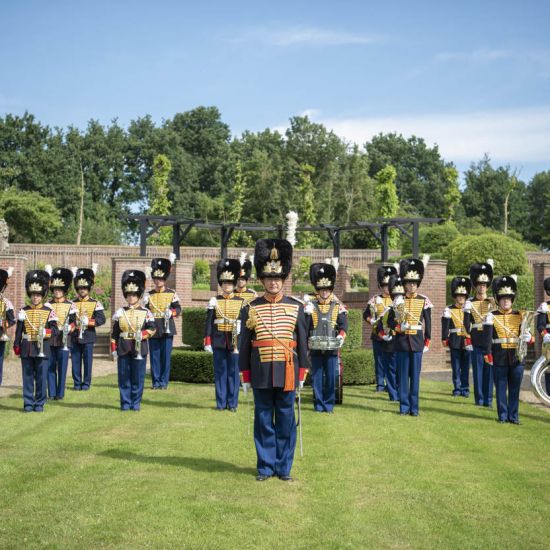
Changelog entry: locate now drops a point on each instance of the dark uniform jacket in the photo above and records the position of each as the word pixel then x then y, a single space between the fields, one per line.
pixel 88 307
pixel 453 331
pixel 7 315
pixel 473 320
pixel 128 321
pixel 66 317
pixel 502 337
pixel 338 322
pixel 543 320
pixel 419 316
pixel 222 319
pixel 26 332
pixel 378 308
pixel 158 303
pixel 273 349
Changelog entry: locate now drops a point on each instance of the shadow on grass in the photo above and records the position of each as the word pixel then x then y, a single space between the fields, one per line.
pixel 10 408
pixel 174 404
pixel 83 405
pixel 191 463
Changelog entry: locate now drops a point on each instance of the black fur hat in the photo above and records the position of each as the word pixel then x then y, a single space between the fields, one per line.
pixel 504 286
pixel 228 271
pixel 273 258
pixel 61 277
pixel 37 281
pixel 322 276
pixel 161 268
pixel 481 273
pixel 547 285
pixel 411 270
pixel 384 273
pixel 133 281
pixel 396 286
pixel 84 277
pixel 461 285
pixel 246 270
pixel 5 274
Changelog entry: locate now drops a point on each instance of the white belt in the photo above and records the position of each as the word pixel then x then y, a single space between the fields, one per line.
pixel 505 340
pixel 414 327
pixel 548 325
pixel 30 338
pixel 455 330
pixel 225 321
pixel 158 315
pixel 477 325
pixel 128 335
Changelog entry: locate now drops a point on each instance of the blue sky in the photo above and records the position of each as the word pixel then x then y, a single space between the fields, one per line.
pixel 473 77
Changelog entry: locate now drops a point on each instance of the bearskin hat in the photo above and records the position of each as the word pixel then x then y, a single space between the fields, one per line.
pixel 246 270
pixel 273 258
pixel 84 278
pixel 481 273
pixel 505 286
pixel 411 270
pixel 133 282
pixel 396 285
pixel 61 277
pixel 5 274
pixel 228 271
pixel 384 273
pixel 161 268
pixel 322 276
pixel 461 285
pixel 547 285
pixel 37 281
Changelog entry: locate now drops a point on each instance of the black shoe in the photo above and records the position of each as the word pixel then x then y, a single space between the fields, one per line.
pixel 501 421
pixel 27 410
pixel 262 477
pixel 516 422
pixel 285 478
pixel 38 409
pixel 233 410
pixel 413 414
pixel 404 414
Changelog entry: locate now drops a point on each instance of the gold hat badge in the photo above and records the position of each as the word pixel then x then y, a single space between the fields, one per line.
pixel 274 264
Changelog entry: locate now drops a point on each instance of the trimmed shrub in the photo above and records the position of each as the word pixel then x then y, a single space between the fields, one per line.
pixel 196 367
pixel 358 367
pixel 509 254
pixel 193 320
pixel 354 337
pixel 201 272
pixel 433 239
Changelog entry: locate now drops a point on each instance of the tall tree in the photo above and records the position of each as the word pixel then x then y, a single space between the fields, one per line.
pixel 386 200
pixel 160 203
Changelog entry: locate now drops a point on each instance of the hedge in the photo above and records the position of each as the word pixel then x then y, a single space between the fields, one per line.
pixel 197 367
pixel 354 338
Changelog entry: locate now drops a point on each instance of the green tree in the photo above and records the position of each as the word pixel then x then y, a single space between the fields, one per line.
pixel 386 200
pixel 307 206
pixel 452 194
pixel 160 203
pixel 538 208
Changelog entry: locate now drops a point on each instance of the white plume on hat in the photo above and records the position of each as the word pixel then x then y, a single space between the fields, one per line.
pixel 10 271
pixel 335 262
pixel 74 269
pixel 292 223
pixel 515 277
pixel 95 268
pixel 242 258
pixel 48 269
pixel 148 271
pixel 491 262
pixel 425 259
pixel 172 257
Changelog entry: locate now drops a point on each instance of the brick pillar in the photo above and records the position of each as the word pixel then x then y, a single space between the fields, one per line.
pixel 214 286
pixel 15 290
pixel 433 286
pixel 181 280
pixel 540 271
pixel 343 281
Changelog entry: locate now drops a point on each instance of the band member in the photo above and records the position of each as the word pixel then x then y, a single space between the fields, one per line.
pixel 60 282
pixel 89 315
pixel 475 311
pixel 413 333
pixel 327 320
pixel 165 306
pixel 242 291
pixel 133 325
pixel 273 359
pixel 36 324
pixel 221 335
pixel 456 337
pixel 384 359
pixel 543 325
pixel 7 315
pixel 502 335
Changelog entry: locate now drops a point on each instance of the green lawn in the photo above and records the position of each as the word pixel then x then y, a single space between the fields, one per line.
pixel 180 474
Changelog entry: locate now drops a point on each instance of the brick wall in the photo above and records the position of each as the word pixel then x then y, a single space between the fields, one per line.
pixel 541 272
pixel 15 291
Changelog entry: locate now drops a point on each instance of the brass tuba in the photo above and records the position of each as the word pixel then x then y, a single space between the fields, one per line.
pixel 526 322
pixel 539 371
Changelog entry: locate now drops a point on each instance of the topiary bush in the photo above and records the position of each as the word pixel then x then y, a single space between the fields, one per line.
pixel 508 254
pixel 433 239
pixel 358 367
pixel 195 367
pixel 354 337
pixel 193 320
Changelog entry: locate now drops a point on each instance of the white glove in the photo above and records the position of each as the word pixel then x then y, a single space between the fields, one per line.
pixel 301 384
pixel 246 387
pixel 447 313
pixel 546 339
pixel 527 337
pixel 405 326
pixel 340 339
pixel 373 321
pixel 119 313
pixel 378 300
pixel 114 354
pixel 238 326
pixel 469 347
pixel 208 349
pixel 426 349
pixel 21 315
pixel 145 298
pixel 489 319
pixel 84 321
pixel 467 306
pixel 398 300
pixel 212 303
pixel 544 307
pixel 308 308
pixel 387 337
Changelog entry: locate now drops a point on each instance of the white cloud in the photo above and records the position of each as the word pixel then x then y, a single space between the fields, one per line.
pixel 508 136
pixel 307 35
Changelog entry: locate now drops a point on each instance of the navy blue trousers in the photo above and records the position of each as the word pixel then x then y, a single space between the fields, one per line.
pixel 57 372
pixel 82 355
pixel 508 381
pixel 274 431
pixel 2 350
pixel 389 362
pixel 131 379
pixel 378 365
pixel 482 375
pixel 460 364
pixel 226 378
pixel 35 372
pixel 323 372
pixel 160 350
pixel 409 364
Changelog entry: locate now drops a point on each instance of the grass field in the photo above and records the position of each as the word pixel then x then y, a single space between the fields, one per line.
pixel 180 474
